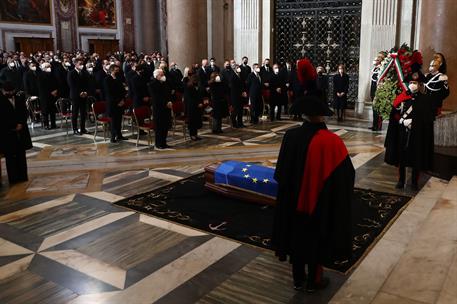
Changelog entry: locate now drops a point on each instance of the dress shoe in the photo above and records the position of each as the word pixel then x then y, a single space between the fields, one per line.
pixel 242 126
pixel 113 140
pixel 84 131
pixel 312 287
pixel 122 138
pixel 76 132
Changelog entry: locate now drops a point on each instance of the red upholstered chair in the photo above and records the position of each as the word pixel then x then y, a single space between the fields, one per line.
pixel 143 121
pixel 99 112
pixel 63 105
pixel 178 116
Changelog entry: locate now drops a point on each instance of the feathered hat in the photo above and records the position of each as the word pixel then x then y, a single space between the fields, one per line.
pixel 306 73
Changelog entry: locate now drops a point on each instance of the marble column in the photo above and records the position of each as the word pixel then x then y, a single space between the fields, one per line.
pixel 437 34
pixel 147 33
pixel 247 28
pixel 128 41
pixel 378 32
pixel 220 29
pixel 187 31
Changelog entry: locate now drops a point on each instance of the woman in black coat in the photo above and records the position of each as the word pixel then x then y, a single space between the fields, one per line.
pixel 219 101
pixel 340 89
pixel 14 133
pixel 194 105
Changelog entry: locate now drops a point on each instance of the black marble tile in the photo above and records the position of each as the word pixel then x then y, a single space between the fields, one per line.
pixel 24 239
pixel 96 203
pixel 11 258
pixel 67 277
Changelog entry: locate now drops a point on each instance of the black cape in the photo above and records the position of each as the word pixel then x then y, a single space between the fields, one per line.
pixel 323 237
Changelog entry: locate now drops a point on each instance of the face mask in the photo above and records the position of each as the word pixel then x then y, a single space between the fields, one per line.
pixel 276 70
pixel 212 63
pixel 33 68
pixel 245 62
pixel 107 67
pixel 257 70
pixel 47 70
pixel 79 68
pixel 432 69
pixel 375 62
pixel 238 70
pixel 12 65
pixel 218 79
pixel 163 78
pixel 227 67
pixel 340 71
pixel 67 64
pixel 267 64
pixel 90 70
pixel 413 87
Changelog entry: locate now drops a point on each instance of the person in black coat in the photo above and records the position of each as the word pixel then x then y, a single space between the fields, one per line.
pixel 410 138
pixel 315 176
pixel 278 93
pixel 254 87
pixel 176 77
pixel 377 119
pixel 14 133
pixel 322 82
pixel 129 76
pixel 30 80
pixel 237 92
pixel 47 95
pixel 213 67
pixel 92 88
pixel 100 77
pixel 340 90
pixel 139 87
pixel 203 78
pixel 160 94
pixel 12 74
pixel 245 69
pixel 115 95
pixel 219 101
pixel 61 75
pixel 193 103
pixel 77 82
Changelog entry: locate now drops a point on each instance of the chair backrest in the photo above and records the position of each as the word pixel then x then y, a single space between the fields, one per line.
pixel 64 106
pixel 99 108
pixel 178 107
pixel 141 114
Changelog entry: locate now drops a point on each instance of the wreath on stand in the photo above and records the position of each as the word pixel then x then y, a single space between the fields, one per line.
pixel 396 66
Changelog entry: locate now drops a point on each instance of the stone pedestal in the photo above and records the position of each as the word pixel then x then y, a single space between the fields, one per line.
pixel 187 31
pixel 437 34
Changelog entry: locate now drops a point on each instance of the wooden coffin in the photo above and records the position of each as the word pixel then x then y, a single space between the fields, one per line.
pixel 234 192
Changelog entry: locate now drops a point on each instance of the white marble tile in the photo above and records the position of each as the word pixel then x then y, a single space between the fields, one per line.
pixel 153 221
pixel 164 176
pixel 368 278
pixel 119 176
pixel 7 248
pixel 385 298
pixel 450 193
pixel 341 132
pixel 448 293
pixel 36 208
pixel 261 137
pixel 228 144
pixel 82 229
pixel 105 196
pixel 167 278
pixel 92 267
pixel 403 229
pixel 40 145
pixel 362 158
pixel 15 267
pixel 95 298
pixel 249 144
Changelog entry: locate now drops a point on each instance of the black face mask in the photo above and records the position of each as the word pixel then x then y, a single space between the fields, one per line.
pixel 227 67
pixel 245 62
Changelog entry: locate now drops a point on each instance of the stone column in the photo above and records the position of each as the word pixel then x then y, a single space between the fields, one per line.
pixel 220 29
pixel 437 34
pixel 128 41
pixel 147 25
pixel 247 28
pixel 187 31
pixel 378 32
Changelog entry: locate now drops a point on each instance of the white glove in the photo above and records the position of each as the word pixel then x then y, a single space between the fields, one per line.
pixel 443 77
pixel 407 123
pixel 33 98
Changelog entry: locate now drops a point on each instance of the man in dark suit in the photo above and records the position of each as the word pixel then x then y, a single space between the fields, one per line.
pixel 237 92
pixel 100 77
pixel 203 78
pixel 11 74
pixel 278 93
pixel 139 87
pixel 161 107
pixel 245 69
pixel 115 95
pixel 31 81
pixel 47 94
pixel 77 81
pixel 254 86
pixel 176 77
pixel 61 74
pixel 14 133
pixel 213 67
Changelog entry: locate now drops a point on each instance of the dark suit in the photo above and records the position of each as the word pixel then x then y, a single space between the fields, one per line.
pixel 254 85
pixel 161 94
pixel 14 143
pixel 31 83
pixel 203 78
pixel 11 75
pixel 77 82
pixel 47 84
pixel 277 99
pixel 100 78
pixel 61 76
pixel 340 84
pixel 139 87
pixel 115 93
pixel 237 87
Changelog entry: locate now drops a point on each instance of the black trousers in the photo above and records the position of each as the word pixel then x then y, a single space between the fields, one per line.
pixel 299 273
pixel 237 115
pixel 272 111
pixel 161 133
pixel 16 165
pixel 217 124
pixel 49 111
pixel 193 131
pixel 116 123
pixel 79 107
pixel 402 175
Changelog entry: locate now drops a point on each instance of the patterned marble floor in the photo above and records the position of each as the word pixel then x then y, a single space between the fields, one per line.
pixel 63 241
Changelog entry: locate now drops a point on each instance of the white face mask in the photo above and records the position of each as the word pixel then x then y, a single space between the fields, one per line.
pixel 276 70
pixel 413 87
pixel 432 69
pixel 257 70
pixel 33 68
pixel 90 70
pixel 238 70
pixel 218 79
pixel 107 67
pixel 340 71
pixel 212 63
pixel 163 78
pixel 375 62
pixel 47 70
pixel 67 64
pixel 79 68
pixel 12 65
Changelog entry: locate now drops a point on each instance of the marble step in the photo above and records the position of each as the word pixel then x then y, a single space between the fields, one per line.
pixel 366 284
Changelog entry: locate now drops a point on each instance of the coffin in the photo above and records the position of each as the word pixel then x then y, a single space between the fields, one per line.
pixel 233 191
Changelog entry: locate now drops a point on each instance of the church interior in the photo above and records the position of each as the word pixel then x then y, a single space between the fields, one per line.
pixel 145 145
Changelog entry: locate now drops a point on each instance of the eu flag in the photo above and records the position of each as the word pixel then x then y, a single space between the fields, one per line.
pixel 247 176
